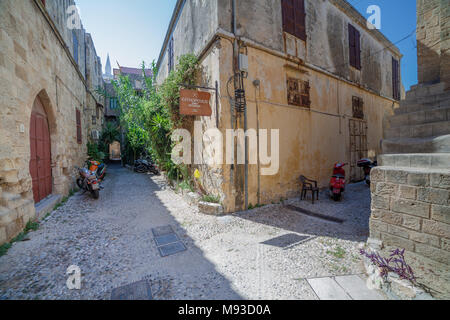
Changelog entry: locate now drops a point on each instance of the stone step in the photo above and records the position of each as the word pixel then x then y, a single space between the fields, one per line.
pixel 423 160
pixel 417 145
pixel 434 129
pixel 420 117
pixel 408 107
pixel 425 90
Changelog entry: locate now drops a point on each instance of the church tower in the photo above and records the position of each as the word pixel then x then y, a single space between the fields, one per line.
pixel 108 73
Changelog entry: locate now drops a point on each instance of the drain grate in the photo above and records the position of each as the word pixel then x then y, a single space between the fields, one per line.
pixel 287 240
pixel 171 249
pixel 162 231
pixel 136 291
pixel 167 241
pixel 315 215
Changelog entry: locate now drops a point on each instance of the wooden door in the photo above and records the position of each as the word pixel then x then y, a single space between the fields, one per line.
pixel 358 148
pixel 40 161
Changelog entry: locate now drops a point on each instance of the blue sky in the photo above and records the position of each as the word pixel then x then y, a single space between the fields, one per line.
pixel 133 31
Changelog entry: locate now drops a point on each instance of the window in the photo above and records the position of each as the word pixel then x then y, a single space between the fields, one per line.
pixel 75 46
pixel 171 64
pixel 79 137
pixel 396 79
pixel 113 103
pixel 358 108
pixel 298 93
pixel 94 120
pixel 354 38
pixel 294 18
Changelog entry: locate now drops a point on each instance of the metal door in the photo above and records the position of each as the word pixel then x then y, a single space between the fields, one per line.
pixel 40 161
pixel 358 148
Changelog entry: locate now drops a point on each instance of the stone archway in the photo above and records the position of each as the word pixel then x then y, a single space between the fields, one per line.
pixel 40 152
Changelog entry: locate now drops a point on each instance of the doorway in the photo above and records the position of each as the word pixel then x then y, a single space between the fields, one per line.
pixel 358 148
pixel 40 161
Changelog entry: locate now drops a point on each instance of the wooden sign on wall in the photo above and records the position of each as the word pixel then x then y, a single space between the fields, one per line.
pixel 195 103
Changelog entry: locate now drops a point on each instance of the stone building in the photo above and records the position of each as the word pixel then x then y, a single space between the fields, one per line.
pixel 313 70
pixel 48 107
pixel 411 190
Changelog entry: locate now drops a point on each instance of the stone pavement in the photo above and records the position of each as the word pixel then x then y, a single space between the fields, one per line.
pixel 352 287
pixel 266 253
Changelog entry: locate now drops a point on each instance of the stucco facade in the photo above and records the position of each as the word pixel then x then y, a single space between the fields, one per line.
pixel 36 62
pixel 312 139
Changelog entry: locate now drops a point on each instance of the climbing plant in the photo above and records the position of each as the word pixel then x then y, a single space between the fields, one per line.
pixel 148 117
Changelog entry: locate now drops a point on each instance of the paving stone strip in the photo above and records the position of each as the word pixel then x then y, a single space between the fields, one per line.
pixel 350 287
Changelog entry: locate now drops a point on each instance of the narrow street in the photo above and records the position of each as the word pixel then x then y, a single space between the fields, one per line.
pixel 266 253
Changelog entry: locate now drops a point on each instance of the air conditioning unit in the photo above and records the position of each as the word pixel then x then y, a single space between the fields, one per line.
pixel 95 134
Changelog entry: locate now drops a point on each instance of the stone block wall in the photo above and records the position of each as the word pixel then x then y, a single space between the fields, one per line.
pixel 411 210
pixel 433 40
pixel 34 63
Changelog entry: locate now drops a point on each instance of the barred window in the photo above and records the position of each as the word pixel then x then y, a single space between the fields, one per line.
pixel 358 108
pixel 298 93
pixel 113 103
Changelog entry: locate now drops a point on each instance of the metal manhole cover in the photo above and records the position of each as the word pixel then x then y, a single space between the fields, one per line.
pixel 136 291
pixel 171 249
pixel 162 231
pixel 166 239
pixel 286 240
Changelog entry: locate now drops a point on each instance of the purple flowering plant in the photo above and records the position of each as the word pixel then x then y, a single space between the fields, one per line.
pixel 396 263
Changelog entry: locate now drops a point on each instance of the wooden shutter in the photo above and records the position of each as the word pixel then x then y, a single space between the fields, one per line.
pixel 351 44
pixel 395 79
pixel 354 39
pixel 300 19
pixel 357 50
pixel 294 17
pixel 288 16
pixel 171 55
pixel 79 137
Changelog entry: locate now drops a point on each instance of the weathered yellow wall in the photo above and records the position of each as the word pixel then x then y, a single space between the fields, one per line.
pixel 311 141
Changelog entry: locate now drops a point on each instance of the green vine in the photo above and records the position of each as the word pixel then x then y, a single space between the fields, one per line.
pixel 149 117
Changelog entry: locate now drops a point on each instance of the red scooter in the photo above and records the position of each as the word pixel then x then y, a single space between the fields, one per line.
pixel 337 183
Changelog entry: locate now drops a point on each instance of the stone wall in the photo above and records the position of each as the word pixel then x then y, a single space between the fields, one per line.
pixel 327 38
pixel 411 210
pixel 433 41
pixel 311 139
pixel 34 63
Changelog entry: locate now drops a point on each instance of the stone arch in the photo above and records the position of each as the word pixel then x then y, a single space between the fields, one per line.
pixel 50 112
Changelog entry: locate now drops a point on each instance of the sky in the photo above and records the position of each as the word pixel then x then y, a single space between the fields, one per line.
pixel 133 31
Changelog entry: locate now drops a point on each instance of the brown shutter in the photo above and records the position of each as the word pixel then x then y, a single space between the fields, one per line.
pixel 300 19
pixel 351 44
pixel 288 16
pixel 395 79
pixel 79 137
pixel 354 40
pixel 357 50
